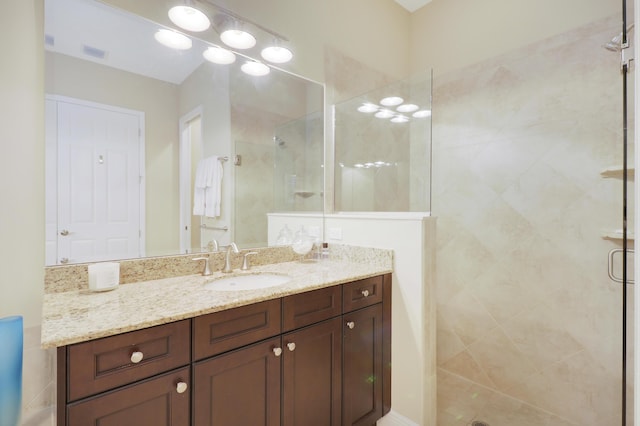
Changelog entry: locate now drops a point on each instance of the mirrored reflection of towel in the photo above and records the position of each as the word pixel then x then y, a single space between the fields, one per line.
pixel 208 187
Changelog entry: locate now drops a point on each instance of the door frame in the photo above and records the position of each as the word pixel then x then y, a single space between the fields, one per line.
pixel 52 142
pixel 184 131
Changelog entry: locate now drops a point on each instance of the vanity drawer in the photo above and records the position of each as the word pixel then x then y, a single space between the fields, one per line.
pixel 107 363
pixel 303 309
pixel 222 331
pixel 362 293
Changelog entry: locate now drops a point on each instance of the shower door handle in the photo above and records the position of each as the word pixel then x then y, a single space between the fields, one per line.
pixel 610 266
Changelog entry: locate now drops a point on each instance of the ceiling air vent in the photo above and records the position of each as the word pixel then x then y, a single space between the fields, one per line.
pixel 94 52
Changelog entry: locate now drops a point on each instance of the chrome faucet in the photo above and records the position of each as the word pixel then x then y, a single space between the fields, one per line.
pixel 227 261
pixel 207 268
pixel 212 245
pixel 245 261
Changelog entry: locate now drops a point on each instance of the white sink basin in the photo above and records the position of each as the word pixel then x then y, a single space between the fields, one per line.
pixel 247 282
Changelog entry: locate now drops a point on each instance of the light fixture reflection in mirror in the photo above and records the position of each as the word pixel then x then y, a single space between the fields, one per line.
pixel 218 55
pixel 255 68
pixel 173 39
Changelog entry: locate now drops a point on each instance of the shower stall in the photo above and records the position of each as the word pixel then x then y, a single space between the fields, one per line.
pixel 531 179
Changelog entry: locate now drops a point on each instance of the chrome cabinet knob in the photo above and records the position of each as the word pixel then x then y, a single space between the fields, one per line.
pixel 136 357
pixel 291 346
pixel 277 351
pixel 64 232
pixel 351 325
pixel 181 387
pixel 64 260
pixel 365 293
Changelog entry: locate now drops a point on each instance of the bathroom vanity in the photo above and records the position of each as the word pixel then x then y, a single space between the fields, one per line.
pixel 318 355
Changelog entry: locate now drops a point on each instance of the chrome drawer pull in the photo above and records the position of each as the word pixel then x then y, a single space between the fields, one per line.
pixel 365 293
pixel 351 325
pixel 291 346
pixel 181 387
pixel 277 351
pixel 136 357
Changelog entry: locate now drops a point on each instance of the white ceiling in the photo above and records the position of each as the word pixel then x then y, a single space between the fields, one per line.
pixel 412 5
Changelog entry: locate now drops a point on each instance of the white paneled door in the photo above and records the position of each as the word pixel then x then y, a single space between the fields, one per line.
pixel 99 179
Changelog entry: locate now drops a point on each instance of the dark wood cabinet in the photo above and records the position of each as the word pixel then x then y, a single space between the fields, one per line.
pixel 321 357
pixel 239 388
pixel 160 401
pixel 312 375
pixel 362 375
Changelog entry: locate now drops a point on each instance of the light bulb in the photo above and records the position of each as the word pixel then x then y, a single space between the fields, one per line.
pixel 189 18
pixel 368 108
pixel 422 113
pixel 399 119
pixel 238 39
pixel 407 108
pixel 384 113
pixel 257 69
pixel 218 55
pixel 276 54
pixel 391 101
pixel 173 39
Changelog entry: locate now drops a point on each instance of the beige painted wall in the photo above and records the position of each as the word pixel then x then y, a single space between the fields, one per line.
pixel 158 100
pixel 22 163
pixel 449 34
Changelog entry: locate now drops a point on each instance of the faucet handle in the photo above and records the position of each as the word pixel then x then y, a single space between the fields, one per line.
pixel 207 268
pixel 245 261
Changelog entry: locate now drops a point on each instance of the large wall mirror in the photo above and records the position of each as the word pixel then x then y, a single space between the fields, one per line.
pixel 134 128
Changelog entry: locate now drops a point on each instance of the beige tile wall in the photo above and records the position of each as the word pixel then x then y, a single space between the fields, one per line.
pixel 529 325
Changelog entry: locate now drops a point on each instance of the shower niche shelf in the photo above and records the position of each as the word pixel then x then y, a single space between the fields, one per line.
pixel 616 172
pixel 617 235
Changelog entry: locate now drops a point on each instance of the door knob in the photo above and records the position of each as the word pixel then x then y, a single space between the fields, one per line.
pixel 277 351
pixel 64 232
pixel 365 293
pixel 351 325
pixel 181 387
pixel 64 260
pixel 291 346
pixel 136 357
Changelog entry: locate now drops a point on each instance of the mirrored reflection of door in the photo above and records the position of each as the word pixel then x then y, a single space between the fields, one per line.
pixel 97 197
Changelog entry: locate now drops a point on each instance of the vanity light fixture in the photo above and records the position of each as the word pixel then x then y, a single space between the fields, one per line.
pixel 218 55
pixel 255 68
pixel 399 119
pixel 189 18
pixel 384 113
pixel 391 101
pixel 407 108
pixel 238 39
pixel 276 54
pixel 367 108
pixel 422 113
pixel 173 39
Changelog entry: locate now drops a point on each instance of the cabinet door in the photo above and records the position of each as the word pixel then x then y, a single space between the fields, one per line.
pixel 312 375
pixel 239 388
pixel 161 401
pixel 363 367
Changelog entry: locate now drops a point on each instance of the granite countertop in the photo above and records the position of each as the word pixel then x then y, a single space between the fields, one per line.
pixel 77 316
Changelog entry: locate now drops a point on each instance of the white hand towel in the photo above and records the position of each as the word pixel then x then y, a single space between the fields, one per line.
pixel 208 187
